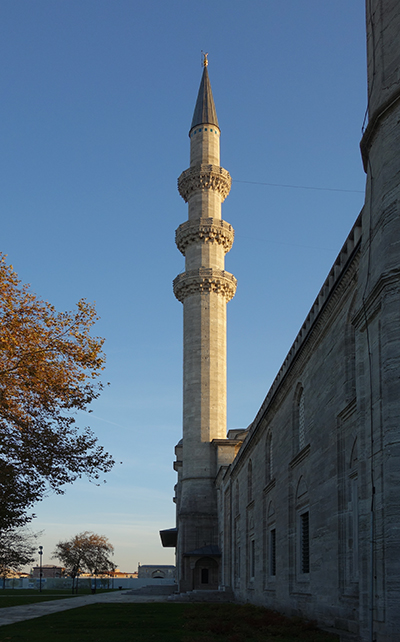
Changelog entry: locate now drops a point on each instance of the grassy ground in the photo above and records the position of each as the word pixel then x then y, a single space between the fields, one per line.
pixel 163 622
pixel 16 597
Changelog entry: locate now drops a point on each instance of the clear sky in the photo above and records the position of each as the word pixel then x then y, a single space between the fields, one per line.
pixel 97 101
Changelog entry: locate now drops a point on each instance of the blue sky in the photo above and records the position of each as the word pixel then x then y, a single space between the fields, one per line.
pixel 97 100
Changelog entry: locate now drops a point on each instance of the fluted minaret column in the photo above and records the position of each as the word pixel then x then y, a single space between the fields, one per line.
pixel 204 289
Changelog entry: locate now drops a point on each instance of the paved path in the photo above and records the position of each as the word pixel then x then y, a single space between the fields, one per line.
pixel 12 614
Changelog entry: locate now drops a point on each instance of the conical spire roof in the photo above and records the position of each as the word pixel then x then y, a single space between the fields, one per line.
pixel 205 111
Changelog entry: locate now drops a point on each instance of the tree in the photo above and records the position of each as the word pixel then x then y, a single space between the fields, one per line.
pixel 86 552
pixel 17 548
pixel 49 369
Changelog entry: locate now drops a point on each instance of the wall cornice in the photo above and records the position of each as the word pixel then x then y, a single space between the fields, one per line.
pixel 374 123
pixel 321 313
pixel 371 304
pixel 269 486
pixel 300 456
pixel 348 411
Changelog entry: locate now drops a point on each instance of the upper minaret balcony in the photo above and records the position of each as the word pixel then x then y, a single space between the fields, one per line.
pixel 205 185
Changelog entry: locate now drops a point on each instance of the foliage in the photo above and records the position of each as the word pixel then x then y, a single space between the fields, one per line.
pixel 86 552
pixel 17 548
pixel 49 368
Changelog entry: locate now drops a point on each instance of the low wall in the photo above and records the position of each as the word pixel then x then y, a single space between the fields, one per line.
pixel 85 582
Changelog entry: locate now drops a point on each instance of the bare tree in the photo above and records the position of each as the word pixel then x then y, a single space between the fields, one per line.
pixel 86 552
pixel 17 548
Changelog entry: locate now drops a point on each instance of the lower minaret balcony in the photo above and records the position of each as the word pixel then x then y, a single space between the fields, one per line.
pixel 204 281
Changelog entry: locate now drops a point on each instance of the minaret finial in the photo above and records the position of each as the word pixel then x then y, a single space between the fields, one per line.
pixel 205 58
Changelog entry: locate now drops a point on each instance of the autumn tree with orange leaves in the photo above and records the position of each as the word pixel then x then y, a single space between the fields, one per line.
pixel 49 369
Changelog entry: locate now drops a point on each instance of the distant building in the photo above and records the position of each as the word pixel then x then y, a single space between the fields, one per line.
pixel 48 571
pixel 123 574
pixel 117 574
pixel 152 571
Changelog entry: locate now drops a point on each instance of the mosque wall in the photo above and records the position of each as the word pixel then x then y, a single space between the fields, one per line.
pixel 308 504
pixel 309 509
pixel 287 502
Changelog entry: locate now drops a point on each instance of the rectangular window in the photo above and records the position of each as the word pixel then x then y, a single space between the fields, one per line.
pixel 272 552
pixel 237 552
pixel 354 528
pixel 305 543
pixel 204 575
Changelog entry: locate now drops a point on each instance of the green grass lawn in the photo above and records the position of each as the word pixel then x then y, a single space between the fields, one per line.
pixel 16 597
pixel 164 622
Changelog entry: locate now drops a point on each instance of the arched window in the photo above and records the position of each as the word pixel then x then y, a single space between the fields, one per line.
pixel 299 432
pixel 302 432
pixel 250 482
pixel 350 353
pixel 269 458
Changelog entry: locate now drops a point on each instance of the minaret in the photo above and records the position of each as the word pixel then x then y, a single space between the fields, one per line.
pixel 204 289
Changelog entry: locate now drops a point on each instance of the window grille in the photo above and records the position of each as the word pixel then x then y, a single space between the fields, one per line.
pixel 305 543
pixel 272 551
pixel 252 558
pixel 204 575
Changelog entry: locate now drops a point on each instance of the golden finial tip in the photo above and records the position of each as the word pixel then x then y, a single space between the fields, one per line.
pixel 205 59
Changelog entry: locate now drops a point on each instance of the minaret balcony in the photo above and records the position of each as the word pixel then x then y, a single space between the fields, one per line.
pixel 204 177
pixel 204 281
pixel 204 230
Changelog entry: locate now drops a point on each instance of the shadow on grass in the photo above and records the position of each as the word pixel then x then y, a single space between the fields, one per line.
pixel 164 622
pixel 248 623
pixel 19 597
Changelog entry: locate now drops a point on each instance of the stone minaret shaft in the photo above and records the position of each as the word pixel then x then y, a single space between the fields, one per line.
pixel 204 289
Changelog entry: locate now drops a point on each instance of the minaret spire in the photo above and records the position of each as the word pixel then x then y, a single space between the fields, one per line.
pixel 204 290
pixel 204 111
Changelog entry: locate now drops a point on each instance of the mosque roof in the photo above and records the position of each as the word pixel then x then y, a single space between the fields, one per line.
pixel 205 111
